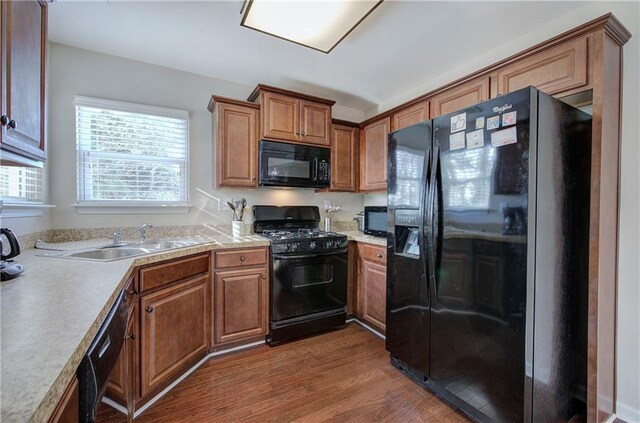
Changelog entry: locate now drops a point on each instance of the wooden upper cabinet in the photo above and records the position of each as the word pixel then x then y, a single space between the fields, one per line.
pixel 236 143
pixel 559 69
pixel 460 97
pixel 373 155
pixel 293 117
pixel 344 158
pixel 24 43
pixel 410 115
pixel 241 303
pixel 175 332
pixel 315 123
pixel 280 117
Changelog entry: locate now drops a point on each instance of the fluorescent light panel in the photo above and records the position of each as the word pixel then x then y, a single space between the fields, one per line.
pixel 320 25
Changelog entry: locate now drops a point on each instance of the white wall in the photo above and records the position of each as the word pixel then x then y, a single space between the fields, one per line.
pixel 75 71
pixel 628 319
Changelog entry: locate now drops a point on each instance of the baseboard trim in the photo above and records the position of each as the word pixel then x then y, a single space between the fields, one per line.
pixel 369 328
pixel 627 413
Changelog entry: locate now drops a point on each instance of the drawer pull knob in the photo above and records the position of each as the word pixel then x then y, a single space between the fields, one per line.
pixel 379 255
pixel 132 336
pixel 12 124
pixel 242 258
pixel 264 276
pixel 149 309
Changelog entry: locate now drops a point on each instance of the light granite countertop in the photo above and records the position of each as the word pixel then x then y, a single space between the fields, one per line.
pixel 51 313
pixel 360 237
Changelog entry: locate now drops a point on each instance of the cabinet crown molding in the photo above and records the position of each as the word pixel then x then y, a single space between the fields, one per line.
pixel 262 87
pixel 219 99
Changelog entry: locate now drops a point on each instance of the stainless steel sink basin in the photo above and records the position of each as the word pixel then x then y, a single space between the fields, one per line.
pixel 107 254
pixel 110 253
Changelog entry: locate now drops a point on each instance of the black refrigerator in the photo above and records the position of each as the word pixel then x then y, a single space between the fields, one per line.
pixel 488 225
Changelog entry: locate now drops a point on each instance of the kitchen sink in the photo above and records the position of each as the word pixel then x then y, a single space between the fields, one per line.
pixel 111 253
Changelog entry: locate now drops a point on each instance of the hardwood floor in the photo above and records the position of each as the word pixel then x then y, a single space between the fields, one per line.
pixel 342 376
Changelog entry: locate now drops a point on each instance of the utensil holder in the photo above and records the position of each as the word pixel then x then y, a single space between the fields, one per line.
pixel 237 228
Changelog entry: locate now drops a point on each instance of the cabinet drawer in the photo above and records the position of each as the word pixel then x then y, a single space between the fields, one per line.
pixel 373 253
pixel 173 271
pixel 235 258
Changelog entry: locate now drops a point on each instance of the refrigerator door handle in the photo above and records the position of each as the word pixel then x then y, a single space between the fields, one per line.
pixel 430 247
pixel 426 215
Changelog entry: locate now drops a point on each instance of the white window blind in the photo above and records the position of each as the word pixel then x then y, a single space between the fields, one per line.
pixel 131 154
pixel 21 184
pixel 467 178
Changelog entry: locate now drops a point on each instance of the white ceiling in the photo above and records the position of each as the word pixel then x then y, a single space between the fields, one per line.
pixel 400 45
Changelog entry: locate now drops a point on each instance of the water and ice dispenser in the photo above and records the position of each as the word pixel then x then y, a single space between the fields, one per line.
pixel 407 232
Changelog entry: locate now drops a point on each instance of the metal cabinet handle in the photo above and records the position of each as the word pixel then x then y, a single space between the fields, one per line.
pixel 333 182
pixel 264 276
pixel 304 133
pixel 379 255
pixel 4 119
pixel 132 336
pixel 133 292
pixel 242 258
pixel 297 132
pixel 149 309
pixel 12 124
pixel 253 179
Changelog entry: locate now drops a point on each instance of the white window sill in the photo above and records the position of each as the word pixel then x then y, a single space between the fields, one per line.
pixel 136 208
pixel 8 210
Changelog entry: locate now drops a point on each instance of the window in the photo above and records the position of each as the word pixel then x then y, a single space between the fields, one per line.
pixel 21 184
pixel 131 155
pixel 467 178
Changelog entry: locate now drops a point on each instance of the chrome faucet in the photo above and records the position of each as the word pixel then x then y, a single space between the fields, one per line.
pixel 117 235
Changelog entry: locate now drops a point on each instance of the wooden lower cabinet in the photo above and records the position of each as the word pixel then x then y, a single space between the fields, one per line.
pixel 241 302
pixel 68 409
pixel 372 285
pixel 174 332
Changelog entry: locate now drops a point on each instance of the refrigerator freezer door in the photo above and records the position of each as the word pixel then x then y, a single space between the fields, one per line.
pixel 478 317
pixel 407 331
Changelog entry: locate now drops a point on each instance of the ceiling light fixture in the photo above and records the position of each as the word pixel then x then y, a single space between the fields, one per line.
pixel 317 24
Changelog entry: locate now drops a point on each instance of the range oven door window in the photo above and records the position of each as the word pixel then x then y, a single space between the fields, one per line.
pixel 307 284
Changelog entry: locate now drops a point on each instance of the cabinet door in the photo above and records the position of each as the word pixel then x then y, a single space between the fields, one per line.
pixel 279 115
pixel 67 410
pixel 411 115
pixel 240 304
pixel 373 155
pixel 315 123
pixel 236 146
pixel 559 69
pixel 24 42
pixel 372 285
pixel 459 97
pixel 174 332
pixel 344 150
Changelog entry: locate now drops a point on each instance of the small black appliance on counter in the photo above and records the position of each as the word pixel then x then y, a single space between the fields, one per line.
pixel 375 221
pixel 10 269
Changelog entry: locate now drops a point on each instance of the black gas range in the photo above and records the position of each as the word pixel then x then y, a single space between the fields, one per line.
pixel 309 270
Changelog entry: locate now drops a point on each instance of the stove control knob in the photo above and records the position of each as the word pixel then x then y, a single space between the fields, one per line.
pixel 328 245
pixel 294 246
pixel 285 247
pixel 312 245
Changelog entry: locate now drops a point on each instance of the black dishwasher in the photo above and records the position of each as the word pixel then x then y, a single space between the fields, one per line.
pixel 96 366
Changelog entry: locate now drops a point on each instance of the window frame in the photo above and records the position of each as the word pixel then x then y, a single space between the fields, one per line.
pixel 132 206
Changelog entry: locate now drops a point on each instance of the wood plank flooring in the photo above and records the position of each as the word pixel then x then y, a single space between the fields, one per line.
pixel 342 376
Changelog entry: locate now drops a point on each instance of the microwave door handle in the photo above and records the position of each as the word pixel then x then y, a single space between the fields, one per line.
pixel 314 169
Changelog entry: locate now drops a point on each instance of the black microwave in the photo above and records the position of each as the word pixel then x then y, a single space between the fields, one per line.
pixel 375 221
pixel 293 165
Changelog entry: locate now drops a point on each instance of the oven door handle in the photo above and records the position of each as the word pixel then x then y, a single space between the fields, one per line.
pixel 303 256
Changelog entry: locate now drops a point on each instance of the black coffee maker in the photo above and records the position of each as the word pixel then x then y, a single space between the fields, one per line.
pixel 9 268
